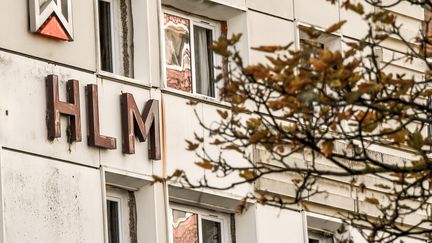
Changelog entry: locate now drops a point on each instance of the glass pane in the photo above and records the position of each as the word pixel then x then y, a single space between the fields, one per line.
pixel 64 6
pixel 211 231
pixel 203 61
pixel 113 222
pixel 105 36
pixel 177 53
pixel 185 227
pixel 43 4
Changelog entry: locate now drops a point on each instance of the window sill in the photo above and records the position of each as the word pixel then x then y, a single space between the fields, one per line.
pixel 196 97
pixel 122 79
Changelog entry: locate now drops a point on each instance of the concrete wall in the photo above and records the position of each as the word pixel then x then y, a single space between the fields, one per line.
pixel 54 191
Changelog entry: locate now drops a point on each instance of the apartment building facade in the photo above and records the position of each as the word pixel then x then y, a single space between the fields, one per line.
pixel 77 155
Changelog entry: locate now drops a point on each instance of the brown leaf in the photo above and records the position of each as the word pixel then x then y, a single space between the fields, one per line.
pixel 248 175
pixel 372 200
pixel 335 27
pixel 223 114
pixel 327 148
pixel 205 164
pixel 191 146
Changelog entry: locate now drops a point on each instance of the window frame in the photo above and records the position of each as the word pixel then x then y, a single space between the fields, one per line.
pixel 298 25
pixel 222 218
pixel 320 235
pixel 113 4
pixel 194 20
pixel 121 197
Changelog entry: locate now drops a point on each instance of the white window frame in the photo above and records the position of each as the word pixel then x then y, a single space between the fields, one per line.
pixel 121 197
pixel 194 20
pixel 222 218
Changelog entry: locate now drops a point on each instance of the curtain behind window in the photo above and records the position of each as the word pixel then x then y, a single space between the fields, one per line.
pixel 203 61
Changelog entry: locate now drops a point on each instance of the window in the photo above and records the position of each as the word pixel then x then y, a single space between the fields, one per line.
pixel 191 225
pixel 316 236
pixel 329 41
pixel 188 58
pixel 115 37
pixel 117 215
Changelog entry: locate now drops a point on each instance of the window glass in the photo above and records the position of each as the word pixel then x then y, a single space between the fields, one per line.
pixel 116 37
pixel 185 227
pixel 316 236
pixel 113 221
pixel 64 6
pixel 105 34
pixel 178 52
pixel 43 4
pixel 203 61
pixel 211 231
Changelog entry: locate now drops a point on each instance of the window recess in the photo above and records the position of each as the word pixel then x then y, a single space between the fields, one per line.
pixel 317 236
pixel 330 41
pixel 189 62
pixel 118 215
pixel 115 37
pixel 191 225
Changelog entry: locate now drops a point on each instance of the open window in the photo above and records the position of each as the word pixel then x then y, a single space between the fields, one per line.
pixel 189 62
pixel 118 215
pixel 317 236
pixel 115 37
pixel 191 225
pixel 324 40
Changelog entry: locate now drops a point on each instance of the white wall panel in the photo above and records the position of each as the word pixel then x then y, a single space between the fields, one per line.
pixel 267 30
pixel 316 12
pixel 23 109
pixel 281 8
pixel 233 158
pixel 50 201
pixel 14 23
pixel 278 226
pixel 181 123
pixel 356 26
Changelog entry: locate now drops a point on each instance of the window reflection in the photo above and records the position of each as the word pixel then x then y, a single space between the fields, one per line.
pixel 185 227
pixel 178 53
pixel 211 231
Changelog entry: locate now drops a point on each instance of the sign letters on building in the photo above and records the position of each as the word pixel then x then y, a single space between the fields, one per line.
pixel 133 124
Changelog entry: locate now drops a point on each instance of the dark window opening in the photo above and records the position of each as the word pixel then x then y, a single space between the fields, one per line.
pixel 113 222
pixel 106 53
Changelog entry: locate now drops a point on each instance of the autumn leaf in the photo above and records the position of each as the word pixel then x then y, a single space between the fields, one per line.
pixel 248 175
pixel 327 148
pixel 223 114
pixel 271 49
pixel 198 138
pixel 177 173
pixel 205 164
pixel 157 179
pixel 217 142
pixel 358 8
pixel 191 146
pixel 372 200
pixel 192 102
pixel 399 136
pixel 416 141
pixel 335 27
pixel 382 186
pixel 233 147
